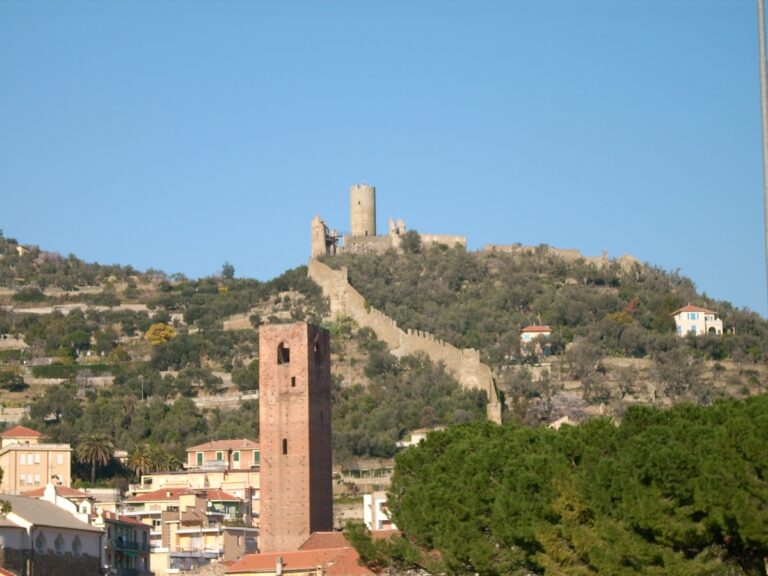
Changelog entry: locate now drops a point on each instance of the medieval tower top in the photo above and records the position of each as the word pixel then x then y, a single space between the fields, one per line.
pixel 362 210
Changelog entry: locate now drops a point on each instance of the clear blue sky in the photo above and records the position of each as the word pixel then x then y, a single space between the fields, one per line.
pixel 180 135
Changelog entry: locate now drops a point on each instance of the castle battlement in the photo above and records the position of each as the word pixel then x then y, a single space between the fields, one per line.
pixel 362 238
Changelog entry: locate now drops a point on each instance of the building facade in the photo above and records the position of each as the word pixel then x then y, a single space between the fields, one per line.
pixel 295 434
pixel 37 538
pixel 28 463
pixel 224 454
pixel 192 528
pixel 696 321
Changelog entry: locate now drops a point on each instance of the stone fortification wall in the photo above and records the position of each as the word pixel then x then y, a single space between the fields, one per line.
pixel 366 244
pixel 570 255
pixel 448 240
pixel 463 363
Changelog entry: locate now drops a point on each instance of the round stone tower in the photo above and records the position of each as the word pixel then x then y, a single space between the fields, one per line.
pixel 362 210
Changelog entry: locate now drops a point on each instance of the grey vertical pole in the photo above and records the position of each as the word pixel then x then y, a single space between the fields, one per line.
pixel 764 110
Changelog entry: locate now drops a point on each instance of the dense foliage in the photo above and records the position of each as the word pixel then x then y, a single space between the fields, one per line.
pixel 116 415
pixel 483 299
pixel 402 395
pixel 37 269
pixel 676 492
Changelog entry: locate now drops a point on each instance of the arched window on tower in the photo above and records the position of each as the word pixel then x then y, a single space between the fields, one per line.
pixel 283 354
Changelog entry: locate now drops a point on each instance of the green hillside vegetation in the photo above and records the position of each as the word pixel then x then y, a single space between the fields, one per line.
pixel 482 300
pixel 132 373
pixel 35 270
pixel 403 394
pixel 675 492
pixel 613 340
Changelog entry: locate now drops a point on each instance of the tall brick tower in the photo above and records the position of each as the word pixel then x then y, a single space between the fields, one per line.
pixel 295 434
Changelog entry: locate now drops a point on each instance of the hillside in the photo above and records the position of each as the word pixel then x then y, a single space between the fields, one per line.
pixel 169 361
pixel 613 339
pixel 162 360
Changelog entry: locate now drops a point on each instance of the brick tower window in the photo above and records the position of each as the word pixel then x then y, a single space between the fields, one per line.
pixel 283 354
pixel 317 350
pixel 285 445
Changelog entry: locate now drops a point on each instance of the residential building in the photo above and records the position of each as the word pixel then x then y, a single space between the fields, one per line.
pixel 224 454
pixel 696 320
pixel 375 512
pixel 295 434
pixel 529 337
pixel 39 538
pixel 530 333
pixel 243 483
pixel 126 543
pixel 126 546
pixel 191 528
pixel 27 462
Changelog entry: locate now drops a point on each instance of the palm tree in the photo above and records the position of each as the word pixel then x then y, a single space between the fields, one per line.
pixel 140 459
pixel 96 450
pixel 162 460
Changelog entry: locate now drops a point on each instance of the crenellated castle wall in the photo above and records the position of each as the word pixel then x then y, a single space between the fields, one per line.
pixel 570 255
pixel 463 363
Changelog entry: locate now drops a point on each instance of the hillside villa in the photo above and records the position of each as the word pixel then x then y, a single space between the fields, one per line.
pixel 696 320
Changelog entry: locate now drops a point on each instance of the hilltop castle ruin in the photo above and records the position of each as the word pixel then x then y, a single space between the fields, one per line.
pixel 362 237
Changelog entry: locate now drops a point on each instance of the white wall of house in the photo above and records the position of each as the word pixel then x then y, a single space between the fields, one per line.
pixel 47 540
pixel 375 512
pixel 697 323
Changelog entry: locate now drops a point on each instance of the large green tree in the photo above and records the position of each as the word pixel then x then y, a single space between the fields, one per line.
pixel 680 492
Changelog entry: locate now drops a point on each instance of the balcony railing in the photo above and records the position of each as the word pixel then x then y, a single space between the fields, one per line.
pixel 120 544
pixel 127 572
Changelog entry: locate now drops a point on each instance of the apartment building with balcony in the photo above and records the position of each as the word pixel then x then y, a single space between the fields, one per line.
pixel 191 528
pixel 126 545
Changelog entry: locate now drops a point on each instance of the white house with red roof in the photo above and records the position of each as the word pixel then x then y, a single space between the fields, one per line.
pixel 532 332
pixel 528 337
pixel 696 320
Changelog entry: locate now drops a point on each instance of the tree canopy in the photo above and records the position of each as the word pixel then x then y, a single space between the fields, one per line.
pixel 681 491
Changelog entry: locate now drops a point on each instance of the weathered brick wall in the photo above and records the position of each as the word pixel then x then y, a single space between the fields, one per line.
pixel 463 363
pixel 295 435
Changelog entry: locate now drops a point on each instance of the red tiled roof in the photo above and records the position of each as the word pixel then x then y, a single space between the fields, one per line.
pixel 125 519
pixel 535 328
pixel 691 308
pixel 335 562
pixel 241 444
pixel 171 494
pixel 62 491
pixel 321 540
pixel 21 432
